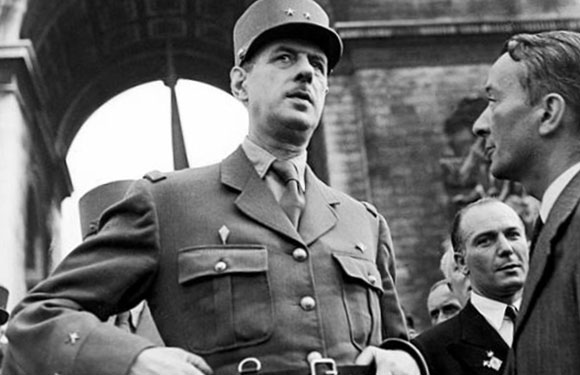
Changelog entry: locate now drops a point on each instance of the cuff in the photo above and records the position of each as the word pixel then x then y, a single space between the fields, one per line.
pixel 406 346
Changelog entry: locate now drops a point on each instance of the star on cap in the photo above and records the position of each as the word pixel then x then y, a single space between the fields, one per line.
pixel 289 12
pixel 306 15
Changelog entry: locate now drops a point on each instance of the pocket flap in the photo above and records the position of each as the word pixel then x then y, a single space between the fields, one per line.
pixel 360 269
pixel 204 261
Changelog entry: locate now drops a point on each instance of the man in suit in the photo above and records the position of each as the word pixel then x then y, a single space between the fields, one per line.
pixel 531 129
pixel 253 265
pixel 442 303
pixel 491 248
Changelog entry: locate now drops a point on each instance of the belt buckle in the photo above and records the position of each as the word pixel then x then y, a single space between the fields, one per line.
pixel 328 362
pixel 245 366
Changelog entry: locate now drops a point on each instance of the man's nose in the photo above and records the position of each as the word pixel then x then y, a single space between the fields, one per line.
pixel 481 125
pixel 305 69
pixel 505 246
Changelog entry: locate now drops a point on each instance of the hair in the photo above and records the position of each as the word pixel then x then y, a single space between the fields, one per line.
pixel 447 264
pixel 457 240
pixel 438 283
pixel 552 62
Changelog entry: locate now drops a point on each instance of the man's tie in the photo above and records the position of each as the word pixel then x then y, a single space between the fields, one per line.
pixel 292 201
pixel 507 327
pixel 511 312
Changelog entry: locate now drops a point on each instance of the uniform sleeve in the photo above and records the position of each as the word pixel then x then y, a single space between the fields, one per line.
pixel 392 314
pixel 59 327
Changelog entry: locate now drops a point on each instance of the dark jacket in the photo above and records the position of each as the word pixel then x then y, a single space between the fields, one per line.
pixel 547 333
pixel 463 345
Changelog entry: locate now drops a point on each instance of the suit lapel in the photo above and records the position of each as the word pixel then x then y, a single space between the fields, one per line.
pixel 481 348
pixel 563 208
pixel 255 198
pixel 318 216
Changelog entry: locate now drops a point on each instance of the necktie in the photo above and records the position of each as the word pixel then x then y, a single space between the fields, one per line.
pixel 507 327
pixel 511 312
pixel 292 201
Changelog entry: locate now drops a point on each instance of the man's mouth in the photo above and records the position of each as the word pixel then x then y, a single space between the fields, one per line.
pixel 509 267
pixel 489 152
pixel 300 94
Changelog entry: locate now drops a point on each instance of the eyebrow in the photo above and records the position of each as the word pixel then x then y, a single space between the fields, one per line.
pixel 495 232
pixel 284 48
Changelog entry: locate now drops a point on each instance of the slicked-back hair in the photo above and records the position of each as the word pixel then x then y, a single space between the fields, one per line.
pixel 552 62
pixel 457 238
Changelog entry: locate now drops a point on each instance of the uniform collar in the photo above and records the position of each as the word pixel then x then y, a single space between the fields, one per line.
pixel 555 189
pixel 262 160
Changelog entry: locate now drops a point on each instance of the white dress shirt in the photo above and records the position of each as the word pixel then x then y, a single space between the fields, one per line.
pixel 555 189
pixel 494 312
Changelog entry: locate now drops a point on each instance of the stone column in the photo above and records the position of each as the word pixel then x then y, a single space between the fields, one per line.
pixel 13 185
pixel 13 158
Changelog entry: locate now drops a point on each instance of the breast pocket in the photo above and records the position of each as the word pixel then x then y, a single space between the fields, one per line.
pixel 228 294
pixel 361 292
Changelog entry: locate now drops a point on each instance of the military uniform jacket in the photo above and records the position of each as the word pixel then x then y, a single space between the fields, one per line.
pixel 225 274
pixel 463 345
pixel 547 333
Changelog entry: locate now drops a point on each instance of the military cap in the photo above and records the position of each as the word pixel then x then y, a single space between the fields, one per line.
pixel 3 303
pixel 267 20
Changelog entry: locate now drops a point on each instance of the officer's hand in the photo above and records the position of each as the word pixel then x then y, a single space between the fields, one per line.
pixel 389 362
pixel 174 361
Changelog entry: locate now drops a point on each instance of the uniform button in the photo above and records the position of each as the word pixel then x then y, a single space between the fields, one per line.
pixel 313 356
pixel 372 279
pixel 299 254
pixel 307 303
pixel 220 266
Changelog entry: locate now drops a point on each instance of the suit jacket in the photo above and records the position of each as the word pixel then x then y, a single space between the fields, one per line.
pixel 547 333
pixel 463 345
pixel 225 274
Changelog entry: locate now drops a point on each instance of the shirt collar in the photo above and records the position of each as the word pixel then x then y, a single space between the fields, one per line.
pixel 555 189
pixel 262 160
pixel 493 311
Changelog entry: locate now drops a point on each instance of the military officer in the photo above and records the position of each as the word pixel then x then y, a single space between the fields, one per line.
pixel 252 265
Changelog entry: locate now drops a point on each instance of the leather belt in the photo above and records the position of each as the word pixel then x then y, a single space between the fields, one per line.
pixel 321 366
pixel 340 370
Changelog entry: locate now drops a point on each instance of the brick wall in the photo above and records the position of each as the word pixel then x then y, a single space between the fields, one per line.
pixel 384 136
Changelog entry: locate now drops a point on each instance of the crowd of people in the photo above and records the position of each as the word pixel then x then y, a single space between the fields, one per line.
pixel 254 265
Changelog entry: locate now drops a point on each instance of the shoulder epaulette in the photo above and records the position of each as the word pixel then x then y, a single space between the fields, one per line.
pixel 155 176
pixel 370 208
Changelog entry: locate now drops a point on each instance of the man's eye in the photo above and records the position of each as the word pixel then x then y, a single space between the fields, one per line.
pixel 483 241
pixel 284 58
pixel 320 66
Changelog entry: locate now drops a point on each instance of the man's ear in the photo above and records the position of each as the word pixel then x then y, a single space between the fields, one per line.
pixel 553 108
pixel 238 83
pixel 460 261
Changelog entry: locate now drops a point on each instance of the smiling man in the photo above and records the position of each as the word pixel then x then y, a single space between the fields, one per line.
pixel 491 249
pixel 249 266
pixel 531 129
